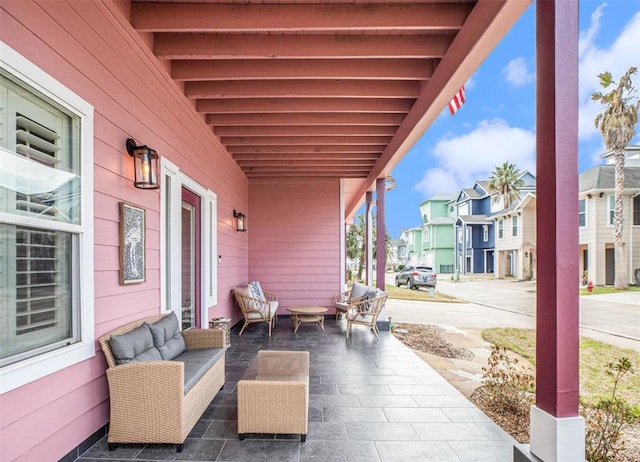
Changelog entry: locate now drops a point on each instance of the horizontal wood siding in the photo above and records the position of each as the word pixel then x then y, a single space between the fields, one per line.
pixel 91 48
pixel 294 241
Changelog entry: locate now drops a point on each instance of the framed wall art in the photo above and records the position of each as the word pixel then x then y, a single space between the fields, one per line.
pixel 132 244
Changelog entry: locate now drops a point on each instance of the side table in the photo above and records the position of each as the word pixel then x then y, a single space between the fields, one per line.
pixel 222 323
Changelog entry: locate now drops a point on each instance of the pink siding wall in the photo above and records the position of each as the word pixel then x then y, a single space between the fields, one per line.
pixel 294 236
pixel 90 48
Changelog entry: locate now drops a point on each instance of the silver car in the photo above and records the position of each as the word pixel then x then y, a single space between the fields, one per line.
pixel 417 276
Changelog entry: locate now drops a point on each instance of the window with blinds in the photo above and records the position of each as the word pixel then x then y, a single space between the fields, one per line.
pixel 40 200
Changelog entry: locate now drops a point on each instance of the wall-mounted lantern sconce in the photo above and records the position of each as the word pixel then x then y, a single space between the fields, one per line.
pixel 601 194
pixel 145 164
pixel 241 221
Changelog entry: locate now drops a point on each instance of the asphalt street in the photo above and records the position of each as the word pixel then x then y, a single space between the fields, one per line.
pixel 610 318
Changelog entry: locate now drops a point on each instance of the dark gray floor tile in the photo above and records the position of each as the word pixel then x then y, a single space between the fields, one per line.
pixel 323 400
pixel 451 431
pixel 324 389
pixel 260 451
pixel 194 449
pixel 443 401
pixel 466 415
pixel 353 414
pixel 320 451
pixel 364 389
pixel 380 431
pixel 415 414
pixel 494 431
pixel 387 401
pixel 438 451
pixel 222 429
pixel 100 450
pixel 327 431
pixel 391 380
pixel 483 451
pixel 417 390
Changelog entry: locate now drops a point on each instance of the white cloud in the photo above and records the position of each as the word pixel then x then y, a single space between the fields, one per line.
pixel 466 158
pixel 617 59
pixel 517 72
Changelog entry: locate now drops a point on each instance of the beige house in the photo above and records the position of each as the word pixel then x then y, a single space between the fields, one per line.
pixel 596 209
pixel 515 240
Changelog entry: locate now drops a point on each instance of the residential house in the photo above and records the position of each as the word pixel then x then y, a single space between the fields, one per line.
pixel 480 231
pixel 473 230
pixel 515 240
pixel 437 233
pixel 596 212
pixel 410 248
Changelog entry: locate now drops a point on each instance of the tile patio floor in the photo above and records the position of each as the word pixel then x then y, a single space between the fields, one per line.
pixel 368 401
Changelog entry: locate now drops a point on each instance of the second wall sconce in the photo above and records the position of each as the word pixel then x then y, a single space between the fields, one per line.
pixel 145 164
pixel 241 221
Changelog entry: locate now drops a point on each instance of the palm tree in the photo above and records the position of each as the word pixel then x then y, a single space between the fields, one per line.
pixel 617 125
pixel 505 181
pixel 356 243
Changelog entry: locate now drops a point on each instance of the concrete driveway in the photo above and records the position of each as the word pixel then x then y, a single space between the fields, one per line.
pixel 610 318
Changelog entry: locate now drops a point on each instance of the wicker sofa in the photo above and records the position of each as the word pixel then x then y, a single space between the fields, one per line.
pixel 156 400
pixel 273 395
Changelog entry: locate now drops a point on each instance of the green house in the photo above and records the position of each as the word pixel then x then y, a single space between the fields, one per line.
pixel 437 249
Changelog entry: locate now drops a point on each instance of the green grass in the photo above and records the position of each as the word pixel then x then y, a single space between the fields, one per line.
pixel 402 293
pixel 598 290
pixel 594 358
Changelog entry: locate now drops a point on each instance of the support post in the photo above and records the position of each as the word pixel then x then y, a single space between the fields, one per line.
pixel 381 234
pixel 369 238
pixel 557 431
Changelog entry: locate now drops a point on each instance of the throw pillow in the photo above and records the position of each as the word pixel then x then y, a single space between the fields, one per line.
pixel 370 294
pixel 357 290
pixel 135 345
pixel 167 337
pixel 256 291
pixel 249 304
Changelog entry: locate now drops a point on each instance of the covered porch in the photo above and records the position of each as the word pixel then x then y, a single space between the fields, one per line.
pixel 368 401
pixel 291 113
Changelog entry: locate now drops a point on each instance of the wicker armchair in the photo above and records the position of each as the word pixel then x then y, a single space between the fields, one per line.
pixel 273 396
pixel 344 300
pixel 255 309
pixel 365 313
pixel 342 303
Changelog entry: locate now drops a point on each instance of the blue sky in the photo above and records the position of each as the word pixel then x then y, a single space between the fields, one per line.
pixel 497 122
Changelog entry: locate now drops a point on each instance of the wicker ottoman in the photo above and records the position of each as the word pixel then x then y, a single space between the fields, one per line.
pixel 273 396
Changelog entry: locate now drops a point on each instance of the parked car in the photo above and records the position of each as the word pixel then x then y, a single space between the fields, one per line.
pixel 417 276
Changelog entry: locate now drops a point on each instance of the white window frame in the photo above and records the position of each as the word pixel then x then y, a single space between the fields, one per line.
pixel 611 209
pixel 171 232
pixel 584 213
pixel 23 372
pixel 501 228
pixel 515 226
pixel 485 233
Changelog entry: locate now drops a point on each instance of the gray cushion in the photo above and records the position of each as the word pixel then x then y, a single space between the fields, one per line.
pixel 197 363
pixel 167 337
pixel 135 345
pixel 358 290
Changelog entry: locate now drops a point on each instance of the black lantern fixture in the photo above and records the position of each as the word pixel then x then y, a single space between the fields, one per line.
pixel 241 221
pixel 145 164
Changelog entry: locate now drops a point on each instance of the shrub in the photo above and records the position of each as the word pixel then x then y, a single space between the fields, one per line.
pixel 509 386
pixel 606 419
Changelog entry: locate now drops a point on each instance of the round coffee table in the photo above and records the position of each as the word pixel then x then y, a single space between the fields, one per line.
pixel 300 314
